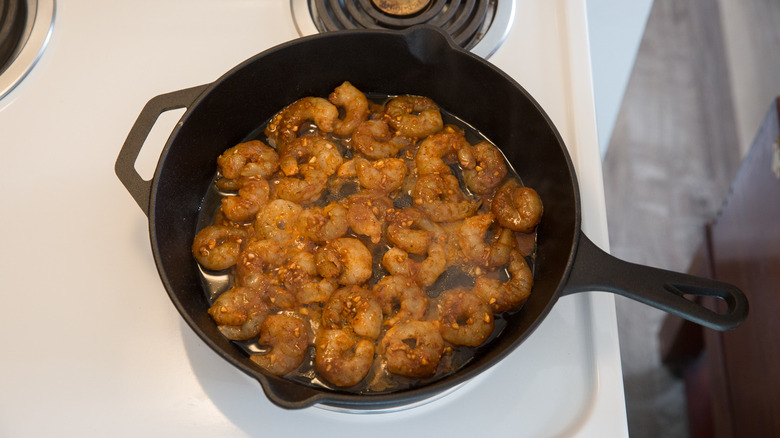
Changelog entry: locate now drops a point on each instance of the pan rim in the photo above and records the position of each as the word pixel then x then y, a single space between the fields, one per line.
pixel 340 399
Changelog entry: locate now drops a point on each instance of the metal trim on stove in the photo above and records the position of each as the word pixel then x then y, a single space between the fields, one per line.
pixel 35 37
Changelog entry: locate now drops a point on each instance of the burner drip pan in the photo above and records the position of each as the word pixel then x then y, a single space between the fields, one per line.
pixel 13 17
pixel 36 25
pixel 468 22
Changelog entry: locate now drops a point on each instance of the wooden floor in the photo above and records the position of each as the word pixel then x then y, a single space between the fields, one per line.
pixel 671 158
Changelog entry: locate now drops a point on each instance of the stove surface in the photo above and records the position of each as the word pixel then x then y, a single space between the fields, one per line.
pixel 93 342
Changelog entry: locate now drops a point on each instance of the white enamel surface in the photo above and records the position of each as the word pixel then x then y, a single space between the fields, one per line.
pixel 91 343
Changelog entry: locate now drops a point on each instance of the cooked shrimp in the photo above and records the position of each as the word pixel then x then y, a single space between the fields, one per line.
pixel 280 297
pixel 217 247
pixel 316 291
pixel 355 107
pixel 517 208
pixel 512 294
pixel 375 139
pixel 347 169
pixel 489 171
pixel 277 220
pixel 385 174
pixel 471 238
pixel 433 151
pixel 288 340
pixel 440 197
pixel 465 318
pixel 414 116
pixel 397 262
pixel 429 270
pixel 294 227
pixel 284 127
pixel 231 185
pixel 306 187
pixel 409 229
pixel 400 299
pixel 366 213
pixel 252 195
pixel 424 273
pixel 239 312
pixel 413 348
pixel 298 270
pixel 353 308
pixel 323 224
pixel 259 258
pixel 342 358
pixel 253 158
pixel 345 259
pixel 313 150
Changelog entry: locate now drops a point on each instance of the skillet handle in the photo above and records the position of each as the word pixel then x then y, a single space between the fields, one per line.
pixel 139 188
pixel 594 269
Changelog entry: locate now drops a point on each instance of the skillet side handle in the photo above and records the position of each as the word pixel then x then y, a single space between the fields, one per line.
pixel 288 395
pixel 594 269
pixel 139 188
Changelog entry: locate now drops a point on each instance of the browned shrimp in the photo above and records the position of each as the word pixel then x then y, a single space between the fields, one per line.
pixel 259 258
pixel 366 213
pixel 413 348
pixel 298 270
pixel 323 224
pixel 409 229
pixel 386 174
pixel 512 294
pixel 347 170
pixel 517 208
pixel 414 116
pixel 465 318
pixel 313 150
pixel 279 269
pixel 424 273
pixel 217 247
pixel 284 127
pixel 252 195
pixel 472 240
pixel 287 267
pixel 232 185
pixel 353 308
pixel 355 107
pixel 400 298
pixel 342 358
pixel 440 197
pixel 305 187
pixel 316 291
pixel 346 259
pixel 433 151
pixel 277 220
pixel 239 312
pixel 253 158
pixel 280 298
pixel 489 171
pixel 288 340
pixel 375 139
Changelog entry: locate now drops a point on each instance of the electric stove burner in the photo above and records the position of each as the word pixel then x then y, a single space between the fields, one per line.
pixel 25 27
pixel 13 16
pixel 401 7
pixel 476 25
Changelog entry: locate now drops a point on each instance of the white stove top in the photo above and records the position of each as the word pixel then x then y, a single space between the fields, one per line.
pixel 92 344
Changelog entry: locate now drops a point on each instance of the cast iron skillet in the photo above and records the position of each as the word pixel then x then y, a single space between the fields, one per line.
pixel 420 61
